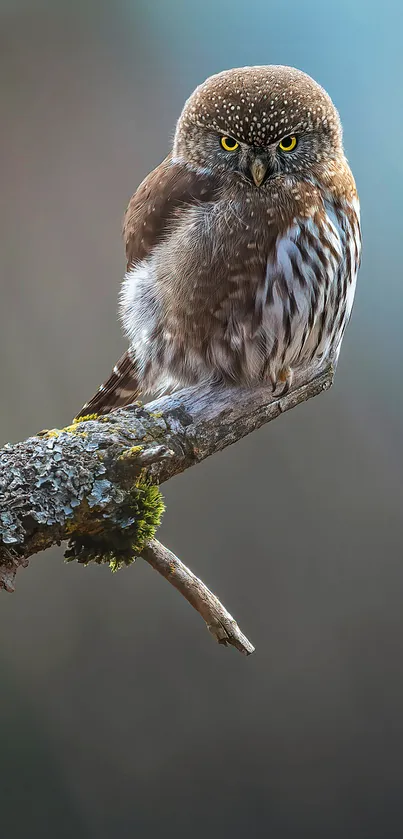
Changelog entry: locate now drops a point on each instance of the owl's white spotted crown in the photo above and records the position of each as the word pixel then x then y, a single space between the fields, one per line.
pixel 259 105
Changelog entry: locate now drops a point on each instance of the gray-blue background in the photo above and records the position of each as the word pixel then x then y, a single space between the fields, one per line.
pixel 119 716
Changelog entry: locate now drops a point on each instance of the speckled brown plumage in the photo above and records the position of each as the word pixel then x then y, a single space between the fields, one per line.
pixel 259 105
pixel 241 264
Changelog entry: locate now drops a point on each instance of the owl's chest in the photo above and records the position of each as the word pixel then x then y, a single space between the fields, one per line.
pixel 231 266
pixel 239 291
pixel 220 252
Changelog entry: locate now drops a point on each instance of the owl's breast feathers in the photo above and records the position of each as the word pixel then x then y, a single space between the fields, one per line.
pixel 226 279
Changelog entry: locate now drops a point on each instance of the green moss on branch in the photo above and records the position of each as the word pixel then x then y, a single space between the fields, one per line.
pixel 115 535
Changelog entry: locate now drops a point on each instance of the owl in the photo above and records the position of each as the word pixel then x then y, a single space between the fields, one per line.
pixel 243 245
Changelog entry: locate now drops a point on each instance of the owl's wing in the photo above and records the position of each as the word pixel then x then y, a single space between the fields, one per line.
pixel 160 199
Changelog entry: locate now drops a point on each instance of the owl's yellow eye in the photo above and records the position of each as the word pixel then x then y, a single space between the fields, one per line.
pixel 288 143
pixel 229 144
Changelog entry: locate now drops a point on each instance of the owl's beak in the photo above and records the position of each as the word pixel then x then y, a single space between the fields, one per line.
pixel 258 169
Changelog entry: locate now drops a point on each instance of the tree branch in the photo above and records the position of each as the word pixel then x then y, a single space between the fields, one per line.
pixel 219 622
pixel 94 483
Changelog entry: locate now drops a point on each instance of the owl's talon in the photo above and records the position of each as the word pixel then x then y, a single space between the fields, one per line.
pixel 285 389
pixel 284 377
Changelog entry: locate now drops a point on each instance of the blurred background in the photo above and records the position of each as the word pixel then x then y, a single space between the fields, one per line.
pixel 120 716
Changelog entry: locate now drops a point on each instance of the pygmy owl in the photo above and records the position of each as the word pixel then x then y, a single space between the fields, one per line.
pixel 243 245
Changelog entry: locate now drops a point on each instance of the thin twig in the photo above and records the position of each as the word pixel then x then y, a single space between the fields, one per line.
pixel 219 622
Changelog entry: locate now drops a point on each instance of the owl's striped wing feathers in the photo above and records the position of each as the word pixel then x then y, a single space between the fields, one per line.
pixel 122 388
pixel 161 198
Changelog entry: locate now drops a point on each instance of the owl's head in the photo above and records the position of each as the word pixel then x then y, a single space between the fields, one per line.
pixel 259 123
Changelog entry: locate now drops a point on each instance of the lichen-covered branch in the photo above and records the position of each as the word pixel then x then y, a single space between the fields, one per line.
pixel 95 483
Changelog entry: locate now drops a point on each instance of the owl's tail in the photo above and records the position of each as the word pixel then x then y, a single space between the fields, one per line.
pixel 122 388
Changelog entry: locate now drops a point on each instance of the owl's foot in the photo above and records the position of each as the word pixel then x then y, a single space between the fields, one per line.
pixel 284 378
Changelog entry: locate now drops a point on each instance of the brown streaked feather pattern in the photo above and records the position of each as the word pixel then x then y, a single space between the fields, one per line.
pixel 122 388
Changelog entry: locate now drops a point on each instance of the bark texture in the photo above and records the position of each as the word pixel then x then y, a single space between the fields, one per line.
pixel 95 483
